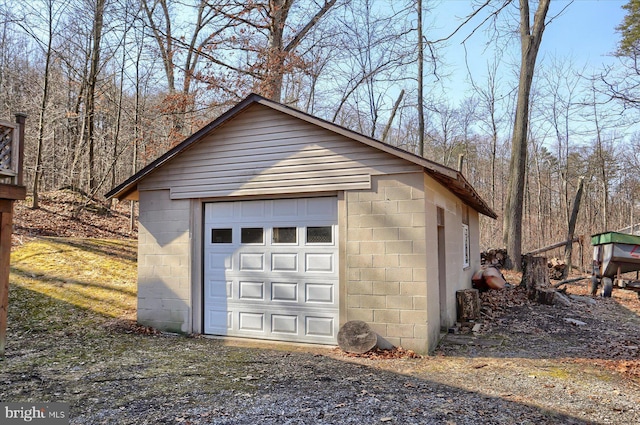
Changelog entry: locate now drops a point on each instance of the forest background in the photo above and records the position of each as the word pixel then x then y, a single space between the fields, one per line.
pixel 109 85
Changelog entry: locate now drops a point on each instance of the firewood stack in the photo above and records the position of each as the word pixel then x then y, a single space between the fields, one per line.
pixel 494 257
pixel 556 268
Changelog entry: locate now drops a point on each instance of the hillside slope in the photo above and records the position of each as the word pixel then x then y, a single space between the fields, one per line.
pixel 57 217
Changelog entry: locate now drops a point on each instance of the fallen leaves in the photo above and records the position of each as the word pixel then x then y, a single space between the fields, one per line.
pixel 383 354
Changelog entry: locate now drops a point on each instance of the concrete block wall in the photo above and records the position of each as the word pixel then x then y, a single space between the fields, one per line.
pixel 164 247
pixel 385 259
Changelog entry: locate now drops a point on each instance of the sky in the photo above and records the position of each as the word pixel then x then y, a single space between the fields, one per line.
pixel 585 32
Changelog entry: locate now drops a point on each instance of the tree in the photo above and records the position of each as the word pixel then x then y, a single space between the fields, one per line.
pixel 530 39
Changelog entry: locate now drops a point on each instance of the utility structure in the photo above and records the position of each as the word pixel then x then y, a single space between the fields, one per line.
pixel 11 189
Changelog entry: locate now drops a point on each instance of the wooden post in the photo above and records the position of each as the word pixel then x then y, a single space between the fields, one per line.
pixel 468 305
pixel 6 212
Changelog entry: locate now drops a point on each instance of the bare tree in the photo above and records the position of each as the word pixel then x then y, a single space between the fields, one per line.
pixel 530 39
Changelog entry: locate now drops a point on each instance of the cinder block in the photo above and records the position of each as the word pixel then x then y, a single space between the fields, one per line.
pixel 398 247
pixel 353 247
pixel 379 328
pixel 419 303
pixel 363 314
pixel 370 196
pixel 162 271
pixel 413 260
pixel 411 206
pixel 413 316
pixel 385 234
pixel 359 288
pixel 400 330
pixel 372 274
pixel 419 345
pixel 419 274
pixel 359 234
pixel 384 207
pixel 399 302
pixel 421 331
pixel 398 274
pixel 399 220
pixel 372 301
pixel 398 193
pixel 353 301
pixel 392 260
pixel 359 208
pixel 372 247
pixel 386 288
pixel 353 273
pixel 413 288
pixel 360 260
pixel 371 221
pixel 386 316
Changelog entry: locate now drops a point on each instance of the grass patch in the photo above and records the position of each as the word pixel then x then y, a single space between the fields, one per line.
pixel 93 274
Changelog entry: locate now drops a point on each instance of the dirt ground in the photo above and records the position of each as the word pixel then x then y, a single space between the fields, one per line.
pixel 527 365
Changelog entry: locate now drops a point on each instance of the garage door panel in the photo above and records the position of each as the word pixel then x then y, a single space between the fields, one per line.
pixel 276 277
pixel 251 290
pixel 319 293
pixel 216 261
pixel 251 262
pixel 287 324
pixel 218 290
pixel 315 262
pixel 284 291
pixel 218 322
pixel 249 321
pixel 319 326
pixel 284 262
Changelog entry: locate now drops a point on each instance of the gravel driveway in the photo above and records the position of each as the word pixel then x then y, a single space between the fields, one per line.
pixel 527 365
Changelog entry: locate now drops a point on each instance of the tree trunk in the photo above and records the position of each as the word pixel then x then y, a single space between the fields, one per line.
pixel 43 106
pixel 91 92
pixel 420 82
pixel 568 249
pixel 529 45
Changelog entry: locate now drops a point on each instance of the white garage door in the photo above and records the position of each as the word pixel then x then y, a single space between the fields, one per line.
pixel 270 269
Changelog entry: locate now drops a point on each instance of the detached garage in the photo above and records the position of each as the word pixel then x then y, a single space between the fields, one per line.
pixel 270 223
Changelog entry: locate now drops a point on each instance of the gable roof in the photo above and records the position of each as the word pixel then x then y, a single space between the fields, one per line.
pixel 448 177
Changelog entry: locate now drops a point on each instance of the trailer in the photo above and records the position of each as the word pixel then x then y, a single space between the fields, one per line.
pixel 615 254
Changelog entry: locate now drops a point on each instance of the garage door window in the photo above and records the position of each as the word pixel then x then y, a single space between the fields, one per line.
pixel 284 235
pixel 252 235
pixel 221 236
pixel 319 234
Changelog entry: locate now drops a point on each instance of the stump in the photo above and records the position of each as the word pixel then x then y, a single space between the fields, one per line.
pixel 357 337
pixel 468 305
pixel 535 278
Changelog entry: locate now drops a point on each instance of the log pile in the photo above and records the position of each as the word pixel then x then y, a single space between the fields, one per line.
pixel 556 268
pixel 496 257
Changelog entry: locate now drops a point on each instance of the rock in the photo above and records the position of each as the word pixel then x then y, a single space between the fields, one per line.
pixel 585 300
pixel 561 299
pixel 574 322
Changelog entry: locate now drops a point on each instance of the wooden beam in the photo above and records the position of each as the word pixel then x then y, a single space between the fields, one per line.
pixel 550 247
pixel 12 192
pixel 5 254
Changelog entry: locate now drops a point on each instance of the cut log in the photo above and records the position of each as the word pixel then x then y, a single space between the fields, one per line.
pixel 357 337
pixel 468 305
